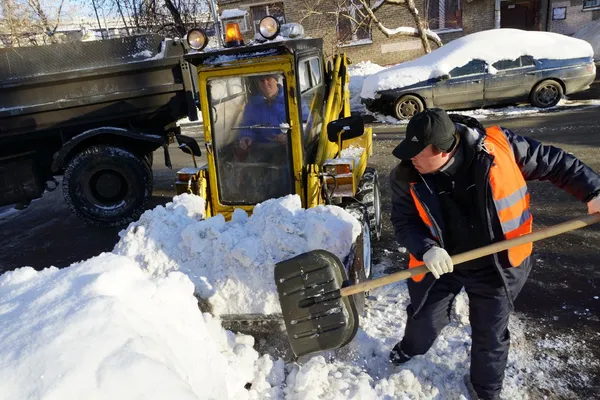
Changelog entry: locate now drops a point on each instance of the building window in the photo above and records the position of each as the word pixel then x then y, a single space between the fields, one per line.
pixel 591 4
pixel 273 9
pixel 353 24
pixel 444 14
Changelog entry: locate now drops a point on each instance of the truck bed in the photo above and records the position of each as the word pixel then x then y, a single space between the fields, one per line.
pixel 137 82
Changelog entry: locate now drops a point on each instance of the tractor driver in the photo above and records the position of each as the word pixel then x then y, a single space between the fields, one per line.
pixel 267 109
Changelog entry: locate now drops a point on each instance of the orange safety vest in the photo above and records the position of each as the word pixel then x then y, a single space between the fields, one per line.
pixel 511 199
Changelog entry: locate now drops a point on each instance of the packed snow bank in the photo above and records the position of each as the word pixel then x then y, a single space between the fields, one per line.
pixel 103 329
pixel 106 329
pixel 490 46
pixel 232 263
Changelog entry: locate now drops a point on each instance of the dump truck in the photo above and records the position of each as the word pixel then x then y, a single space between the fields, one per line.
pixel 305 141
pixel 93 112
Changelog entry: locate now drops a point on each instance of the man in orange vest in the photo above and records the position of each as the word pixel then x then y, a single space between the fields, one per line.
pixel 458 187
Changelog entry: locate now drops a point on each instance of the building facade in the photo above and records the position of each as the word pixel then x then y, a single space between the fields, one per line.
pixel 344 28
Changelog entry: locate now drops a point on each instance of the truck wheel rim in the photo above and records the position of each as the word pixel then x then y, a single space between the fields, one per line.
pixel 107 187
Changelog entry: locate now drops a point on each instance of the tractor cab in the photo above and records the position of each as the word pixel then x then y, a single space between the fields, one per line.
pixel 276 121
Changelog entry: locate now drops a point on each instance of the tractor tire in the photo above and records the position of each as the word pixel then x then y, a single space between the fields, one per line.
pixel 362 263
pixel 107 186
pixel 407 106
pixel 368 193
pixel 546 94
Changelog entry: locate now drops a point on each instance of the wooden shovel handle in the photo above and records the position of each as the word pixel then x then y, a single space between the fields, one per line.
pixel 550 231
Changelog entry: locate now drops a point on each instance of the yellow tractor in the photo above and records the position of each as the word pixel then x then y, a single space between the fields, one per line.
pixel 277 121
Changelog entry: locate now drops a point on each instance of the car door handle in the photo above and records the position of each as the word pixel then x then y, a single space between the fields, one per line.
pixel 478 81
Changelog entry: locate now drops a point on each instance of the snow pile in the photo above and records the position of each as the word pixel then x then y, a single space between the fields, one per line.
pixel 233 13
pixel 102 329
pixel 232 263
pixel 106 329
pixel 357 73
pixel 490 46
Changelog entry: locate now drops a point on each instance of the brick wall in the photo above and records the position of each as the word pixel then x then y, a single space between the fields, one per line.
pixel 477 15
pixel 576 17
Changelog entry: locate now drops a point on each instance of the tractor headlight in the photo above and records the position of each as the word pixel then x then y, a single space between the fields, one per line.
pixel 269 27
pixel 197 39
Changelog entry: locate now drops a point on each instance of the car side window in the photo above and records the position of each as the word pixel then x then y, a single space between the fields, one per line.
pixel 526 61
pixel 507 64
pixel 470 68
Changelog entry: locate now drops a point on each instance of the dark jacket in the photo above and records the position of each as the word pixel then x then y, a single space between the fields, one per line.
pixel 535 160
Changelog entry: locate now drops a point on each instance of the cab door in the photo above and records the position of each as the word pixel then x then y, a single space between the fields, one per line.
pixel 245 172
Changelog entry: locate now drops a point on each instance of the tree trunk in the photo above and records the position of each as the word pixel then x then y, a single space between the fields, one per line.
pixel 420 28
pixel 179 25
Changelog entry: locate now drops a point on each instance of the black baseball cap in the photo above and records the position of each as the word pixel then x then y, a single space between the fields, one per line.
pixel 432 126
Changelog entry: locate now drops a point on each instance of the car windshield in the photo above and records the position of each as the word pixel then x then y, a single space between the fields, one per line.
pixel 250 130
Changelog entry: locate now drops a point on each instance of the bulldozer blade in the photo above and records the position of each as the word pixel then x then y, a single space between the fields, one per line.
pixel 316 317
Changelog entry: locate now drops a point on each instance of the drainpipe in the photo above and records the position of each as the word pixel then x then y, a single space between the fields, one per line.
pixel 497 14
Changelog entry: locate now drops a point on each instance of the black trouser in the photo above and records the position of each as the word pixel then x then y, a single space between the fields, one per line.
pixel 489 309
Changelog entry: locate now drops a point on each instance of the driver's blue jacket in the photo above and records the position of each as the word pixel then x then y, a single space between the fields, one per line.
pixel 268 113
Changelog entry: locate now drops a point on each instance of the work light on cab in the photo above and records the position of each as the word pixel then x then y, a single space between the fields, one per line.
pixel 269 27
pixel 197 39
pixel 233 35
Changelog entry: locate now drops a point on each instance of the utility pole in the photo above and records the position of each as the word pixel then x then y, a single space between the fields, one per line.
pixel 216 20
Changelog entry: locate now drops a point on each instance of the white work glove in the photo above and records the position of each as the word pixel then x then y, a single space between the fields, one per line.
pixel 438 261
pixel 594 205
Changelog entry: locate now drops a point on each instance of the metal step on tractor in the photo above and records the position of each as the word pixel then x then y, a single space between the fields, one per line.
pixel 305 143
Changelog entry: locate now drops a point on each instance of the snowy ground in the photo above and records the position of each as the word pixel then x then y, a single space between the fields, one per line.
pixel 126 324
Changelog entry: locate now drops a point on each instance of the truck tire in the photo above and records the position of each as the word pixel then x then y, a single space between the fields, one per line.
pixel 368 193
pixel 361 267
pixel 107 186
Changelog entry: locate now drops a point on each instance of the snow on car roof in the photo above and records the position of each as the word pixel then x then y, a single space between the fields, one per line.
pixel 490 46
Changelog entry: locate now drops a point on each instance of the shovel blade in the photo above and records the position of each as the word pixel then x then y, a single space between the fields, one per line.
pixel 316 317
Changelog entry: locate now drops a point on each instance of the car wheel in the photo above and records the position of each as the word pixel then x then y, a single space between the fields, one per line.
pixel 107 186
pixel 407 106
pixel 546 94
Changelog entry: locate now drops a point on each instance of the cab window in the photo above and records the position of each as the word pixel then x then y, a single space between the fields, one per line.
pixel 250 137
pixel 312 89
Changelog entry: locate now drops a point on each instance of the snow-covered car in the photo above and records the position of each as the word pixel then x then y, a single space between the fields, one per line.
pixel 500 66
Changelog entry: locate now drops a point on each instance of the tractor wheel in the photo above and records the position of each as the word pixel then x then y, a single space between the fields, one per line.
pixel 407 106
pixel 107 186
pixel 360 270
pixel 368 194
pixel 546 94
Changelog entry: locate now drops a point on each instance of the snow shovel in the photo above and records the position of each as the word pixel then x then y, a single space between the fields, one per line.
pixel 319 312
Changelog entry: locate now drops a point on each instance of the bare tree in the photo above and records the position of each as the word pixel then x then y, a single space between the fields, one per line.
pixel 363 14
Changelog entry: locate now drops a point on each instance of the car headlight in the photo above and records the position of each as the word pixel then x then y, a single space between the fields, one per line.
pixel 269 27
pixel 197 39
pixel 377 96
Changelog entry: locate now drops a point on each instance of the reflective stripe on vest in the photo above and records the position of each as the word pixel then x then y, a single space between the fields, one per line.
pixel 412 261
pixel 510 196
pixel 510 193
